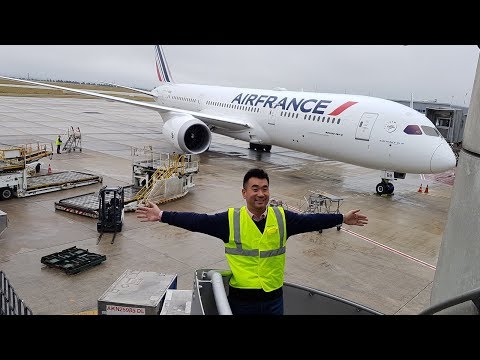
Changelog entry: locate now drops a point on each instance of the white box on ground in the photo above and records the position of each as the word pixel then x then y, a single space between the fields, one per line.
pixel 177 302
pixel 136 293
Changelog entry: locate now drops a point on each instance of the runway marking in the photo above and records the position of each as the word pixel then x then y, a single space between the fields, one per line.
pixel 389 248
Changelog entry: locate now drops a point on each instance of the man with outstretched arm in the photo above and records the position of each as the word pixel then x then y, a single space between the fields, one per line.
pixel 255 238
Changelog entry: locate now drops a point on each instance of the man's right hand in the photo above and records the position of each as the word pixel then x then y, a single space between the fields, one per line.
pixel 148 213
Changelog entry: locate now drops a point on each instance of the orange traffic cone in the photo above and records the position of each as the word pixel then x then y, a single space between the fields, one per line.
pixel 420 188
pixel 426 190
pixel 49 169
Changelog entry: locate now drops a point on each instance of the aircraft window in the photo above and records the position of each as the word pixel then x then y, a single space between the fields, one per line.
pixel 323 120
pixel 338 121
pixel 412 130
pixel 281 113
pixel 297 116
pixel 430 131
pixel 328 119
pixel 304 117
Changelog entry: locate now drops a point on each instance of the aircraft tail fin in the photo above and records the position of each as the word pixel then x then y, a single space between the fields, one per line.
pixel 163 72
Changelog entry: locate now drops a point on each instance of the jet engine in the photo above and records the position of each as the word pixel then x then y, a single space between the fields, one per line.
pixel 188 134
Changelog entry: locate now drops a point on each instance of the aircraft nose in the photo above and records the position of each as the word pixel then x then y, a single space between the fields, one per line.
pixel 443 159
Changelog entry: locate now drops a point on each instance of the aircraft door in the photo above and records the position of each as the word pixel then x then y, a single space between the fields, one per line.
pixel 272 114
pixel 200 101
pixel 365 126
pixel 164 97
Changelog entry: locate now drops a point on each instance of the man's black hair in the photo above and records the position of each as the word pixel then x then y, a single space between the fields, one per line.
pixel 256 173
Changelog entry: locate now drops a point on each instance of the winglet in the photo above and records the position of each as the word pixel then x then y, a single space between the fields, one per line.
pixel 163 72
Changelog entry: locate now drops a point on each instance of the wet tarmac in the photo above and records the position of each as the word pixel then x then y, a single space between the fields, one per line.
pixel 387 265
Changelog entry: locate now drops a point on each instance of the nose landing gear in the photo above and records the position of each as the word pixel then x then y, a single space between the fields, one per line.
pixel 385 187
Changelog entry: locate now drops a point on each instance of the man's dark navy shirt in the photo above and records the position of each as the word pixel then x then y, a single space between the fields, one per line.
pixel 217 224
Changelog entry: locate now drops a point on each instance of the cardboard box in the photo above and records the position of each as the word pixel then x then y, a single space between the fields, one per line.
pixel 136 293
pixel 177 302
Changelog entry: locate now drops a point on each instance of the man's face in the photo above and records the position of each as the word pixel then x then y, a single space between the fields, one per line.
pixel 256 194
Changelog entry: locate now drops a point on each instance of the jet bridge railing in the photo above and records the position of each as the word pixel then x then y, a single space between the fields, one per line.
pixel 210 298
pixel 472 295
pixel 10 303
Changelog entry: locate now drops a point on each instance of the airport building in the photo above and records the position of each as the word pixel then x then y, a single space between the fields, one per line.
pixel 448 119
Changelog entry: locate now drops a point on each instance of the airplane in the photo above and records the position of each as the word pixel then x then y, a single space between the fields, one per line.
pixel 360 130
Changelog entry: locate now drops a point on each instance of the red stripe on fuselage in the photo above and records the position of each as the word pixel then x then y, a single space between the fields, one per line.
pixel 342 108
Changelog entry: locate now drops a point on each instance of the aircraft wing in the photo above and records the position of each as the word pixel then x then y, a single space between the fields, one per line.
pixel 134 89
pixel 212 120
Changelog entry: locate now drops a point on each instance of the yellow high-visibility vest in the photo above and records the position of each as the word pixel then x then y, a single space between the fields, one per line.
pixel 257 260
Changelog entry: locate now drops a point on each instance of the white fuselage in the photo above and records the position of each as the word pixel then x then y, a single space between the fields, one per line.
pixel 365 131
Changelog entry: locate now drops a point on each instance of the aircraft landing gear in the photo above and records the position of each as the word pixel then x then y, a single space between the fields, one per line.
pixel 385 187
pixel 258 147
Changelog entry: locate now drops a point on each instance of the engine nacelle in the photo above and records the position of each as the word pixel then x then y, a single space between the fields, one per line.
pixel 187 134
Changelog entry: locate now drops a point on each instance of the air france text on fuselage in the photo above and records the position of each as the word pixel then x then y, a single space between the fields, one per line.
pixel 288 104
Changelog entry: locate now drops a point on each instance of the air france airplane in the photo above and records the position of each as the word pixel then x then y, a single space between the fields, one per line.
pixel 360 130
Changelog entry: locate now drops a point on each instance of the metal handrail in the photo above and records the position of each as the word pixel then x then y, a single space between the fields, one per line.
pixel 10 303
pixel 472 295
pixel 221 300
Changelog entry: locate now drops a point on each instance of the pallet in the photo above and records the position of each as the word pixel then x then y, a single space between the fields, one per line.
pixel 73 260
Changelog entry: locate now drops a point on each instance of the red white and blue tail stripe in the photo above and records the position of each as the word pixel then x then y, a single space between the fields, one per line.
pixel 163 72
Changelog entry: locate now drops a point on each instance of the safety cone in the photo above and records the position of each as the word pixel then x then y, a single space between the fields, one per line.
pixel 420 188
pixel 49 169
pixel 426 190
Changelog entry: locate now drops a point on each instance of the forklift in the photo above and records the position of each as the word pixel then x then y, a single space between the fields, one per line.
pixel 110 211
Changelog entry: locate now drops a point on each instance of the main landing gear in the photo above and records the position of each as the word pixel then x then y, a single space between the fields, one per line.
pixel 258 147
pixel 385 187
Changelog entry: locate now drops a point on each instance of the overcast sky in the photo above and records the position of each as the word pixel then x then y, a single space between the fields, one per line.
pixel 442 72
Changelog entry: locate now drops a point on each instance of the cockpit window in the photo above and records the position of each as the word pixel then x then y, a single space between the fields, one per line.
pixel 413 130
pixel 430 131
